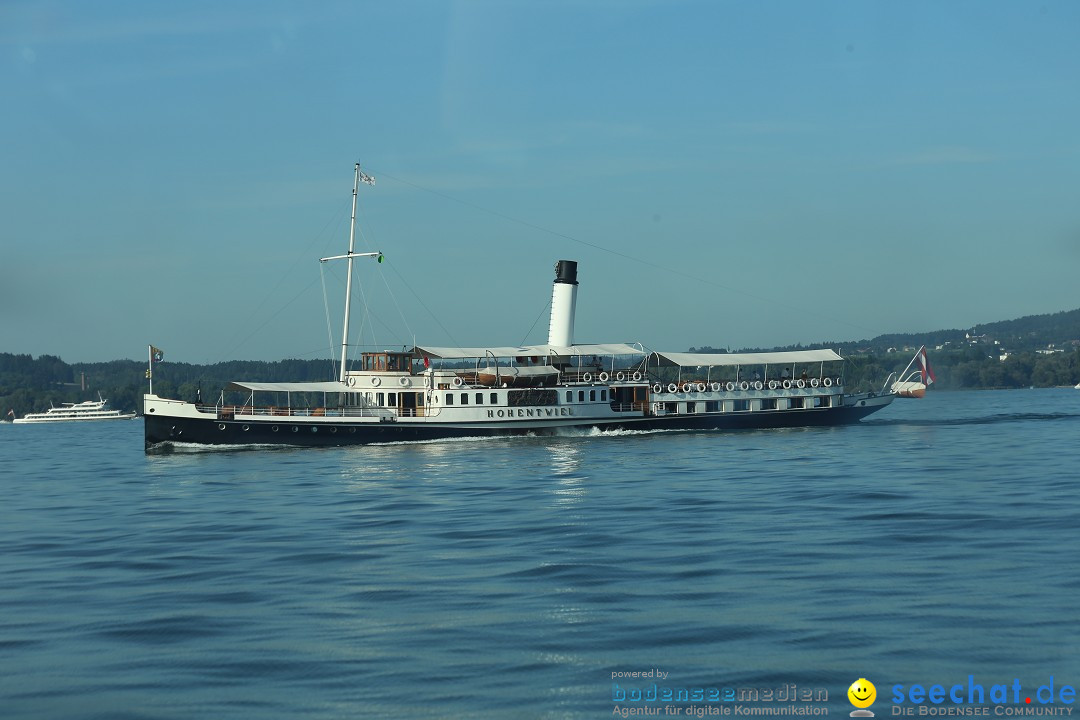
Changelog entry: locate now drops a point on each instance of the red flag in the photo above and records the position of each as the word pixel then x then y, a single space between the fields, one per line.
pixel 427 363
pixel 927 373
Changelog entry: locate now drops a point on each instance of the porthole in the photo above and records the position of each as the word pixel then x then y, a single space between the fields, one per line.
pixel 352 430
pixel 246 428
pixel 274 428
pixel 314 429
pixel 333 429
pixel 295 429
pixel 221 426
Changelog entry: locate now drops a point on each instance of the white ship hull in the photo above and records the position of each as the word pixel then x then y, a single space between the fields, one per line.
pixel 81 418
pixel 71 412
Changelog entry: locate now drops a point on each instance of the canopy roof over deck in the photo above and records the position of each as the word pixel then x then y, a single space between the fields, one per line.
pixel 680 359
pixel 539 351
pixel 290 387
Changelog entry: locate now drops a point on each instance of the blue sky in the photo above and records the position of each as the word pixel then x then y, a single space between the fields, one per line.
pixel 726 174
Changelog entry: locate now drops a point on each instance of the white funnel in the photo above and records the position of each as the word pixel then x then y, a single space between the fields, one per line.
pixel 563 304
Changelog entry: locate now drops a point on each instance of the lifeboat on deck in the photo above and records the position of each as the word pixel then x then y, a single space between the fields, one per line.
pixel 517 376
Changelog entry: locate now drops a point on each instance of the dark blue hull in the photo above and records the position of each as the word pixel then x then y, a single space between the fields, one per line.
pixel 301 432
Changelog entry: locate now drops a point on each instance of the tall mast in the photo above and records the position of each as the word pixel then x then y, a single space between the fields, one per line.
pixel 348 275
pixel 358 178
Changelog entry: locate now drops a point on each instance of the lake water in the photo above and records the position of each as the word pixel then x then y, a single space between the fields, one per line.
pixel 511 578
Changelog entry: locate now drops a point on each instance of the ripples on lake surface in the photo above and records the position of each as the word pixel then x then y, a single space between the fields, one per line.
pixel 509 578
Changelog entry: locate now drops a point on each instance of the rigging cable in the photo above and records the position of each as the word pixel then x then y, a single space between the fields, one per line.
pixel 329 332
pixel 542 310
pixel 382 276
pixel 302 258
pixel 647 263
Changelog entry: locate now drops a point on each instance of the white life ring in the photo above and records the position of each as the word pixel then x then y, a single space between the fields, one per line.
pixel 456 382
pixel 657 388
pixel 814 382
pixel 672 388
pixel 801 383
pixel 758 385
pixel 375 381
pixel 404 382
pixel 427 383
pixel 352 382
pixel 744 385
pixel 773 384
pixel 715 387
pixel 621 376
pixel 839 382
pixel 787 384
pixel 701 387
pixel 730 386
pixel 604 377
pixel 827 382
pixel 637 377
pixel 587 377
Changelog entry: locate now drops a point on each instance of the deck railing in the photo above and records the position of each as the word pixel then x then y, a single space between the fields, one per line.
pixel 630 407
pixel 230 411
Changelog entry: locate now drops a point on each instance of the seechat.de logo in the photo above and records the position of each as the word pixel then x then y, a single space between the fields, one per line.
pixel 862 694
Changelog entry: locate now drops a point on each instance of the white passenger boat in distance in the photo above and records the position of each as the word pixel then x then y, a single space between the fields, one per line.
pixel 432 392
pixel 76 412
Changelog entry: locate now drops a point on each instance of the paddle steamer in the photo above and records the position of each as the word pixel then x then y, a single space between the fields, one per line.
pixel 434 392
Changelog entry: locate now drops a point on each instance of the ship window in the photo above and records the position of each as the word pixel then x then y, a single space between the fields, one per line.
pixel 391 399
pixel 581 396
pixel 672 407
pixel 449 398
pixel 379 399
pixel 691 407
pixel 603 396
pixel 494 398
pixel 592 396
pixel 569 396
pixel 796 402
pixel 740 405
pixel 479 398
pixel 768 404
pixel 712 406
pixel 420 399
pixel 367 396
pixel 464 398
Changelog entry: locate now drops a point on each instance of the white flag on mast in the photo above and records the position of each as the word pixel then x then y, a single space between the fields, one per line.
pixel 366 178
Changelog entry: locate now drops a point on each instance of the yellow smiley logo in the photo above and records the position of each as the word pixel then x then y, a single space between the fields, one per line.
pixel 862 693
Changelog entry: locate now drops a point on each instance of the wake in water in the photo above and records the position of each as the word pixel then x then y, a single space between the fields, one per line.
pixel 985 420
pixel 171 448
pixel 594 432
pixel 441 441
